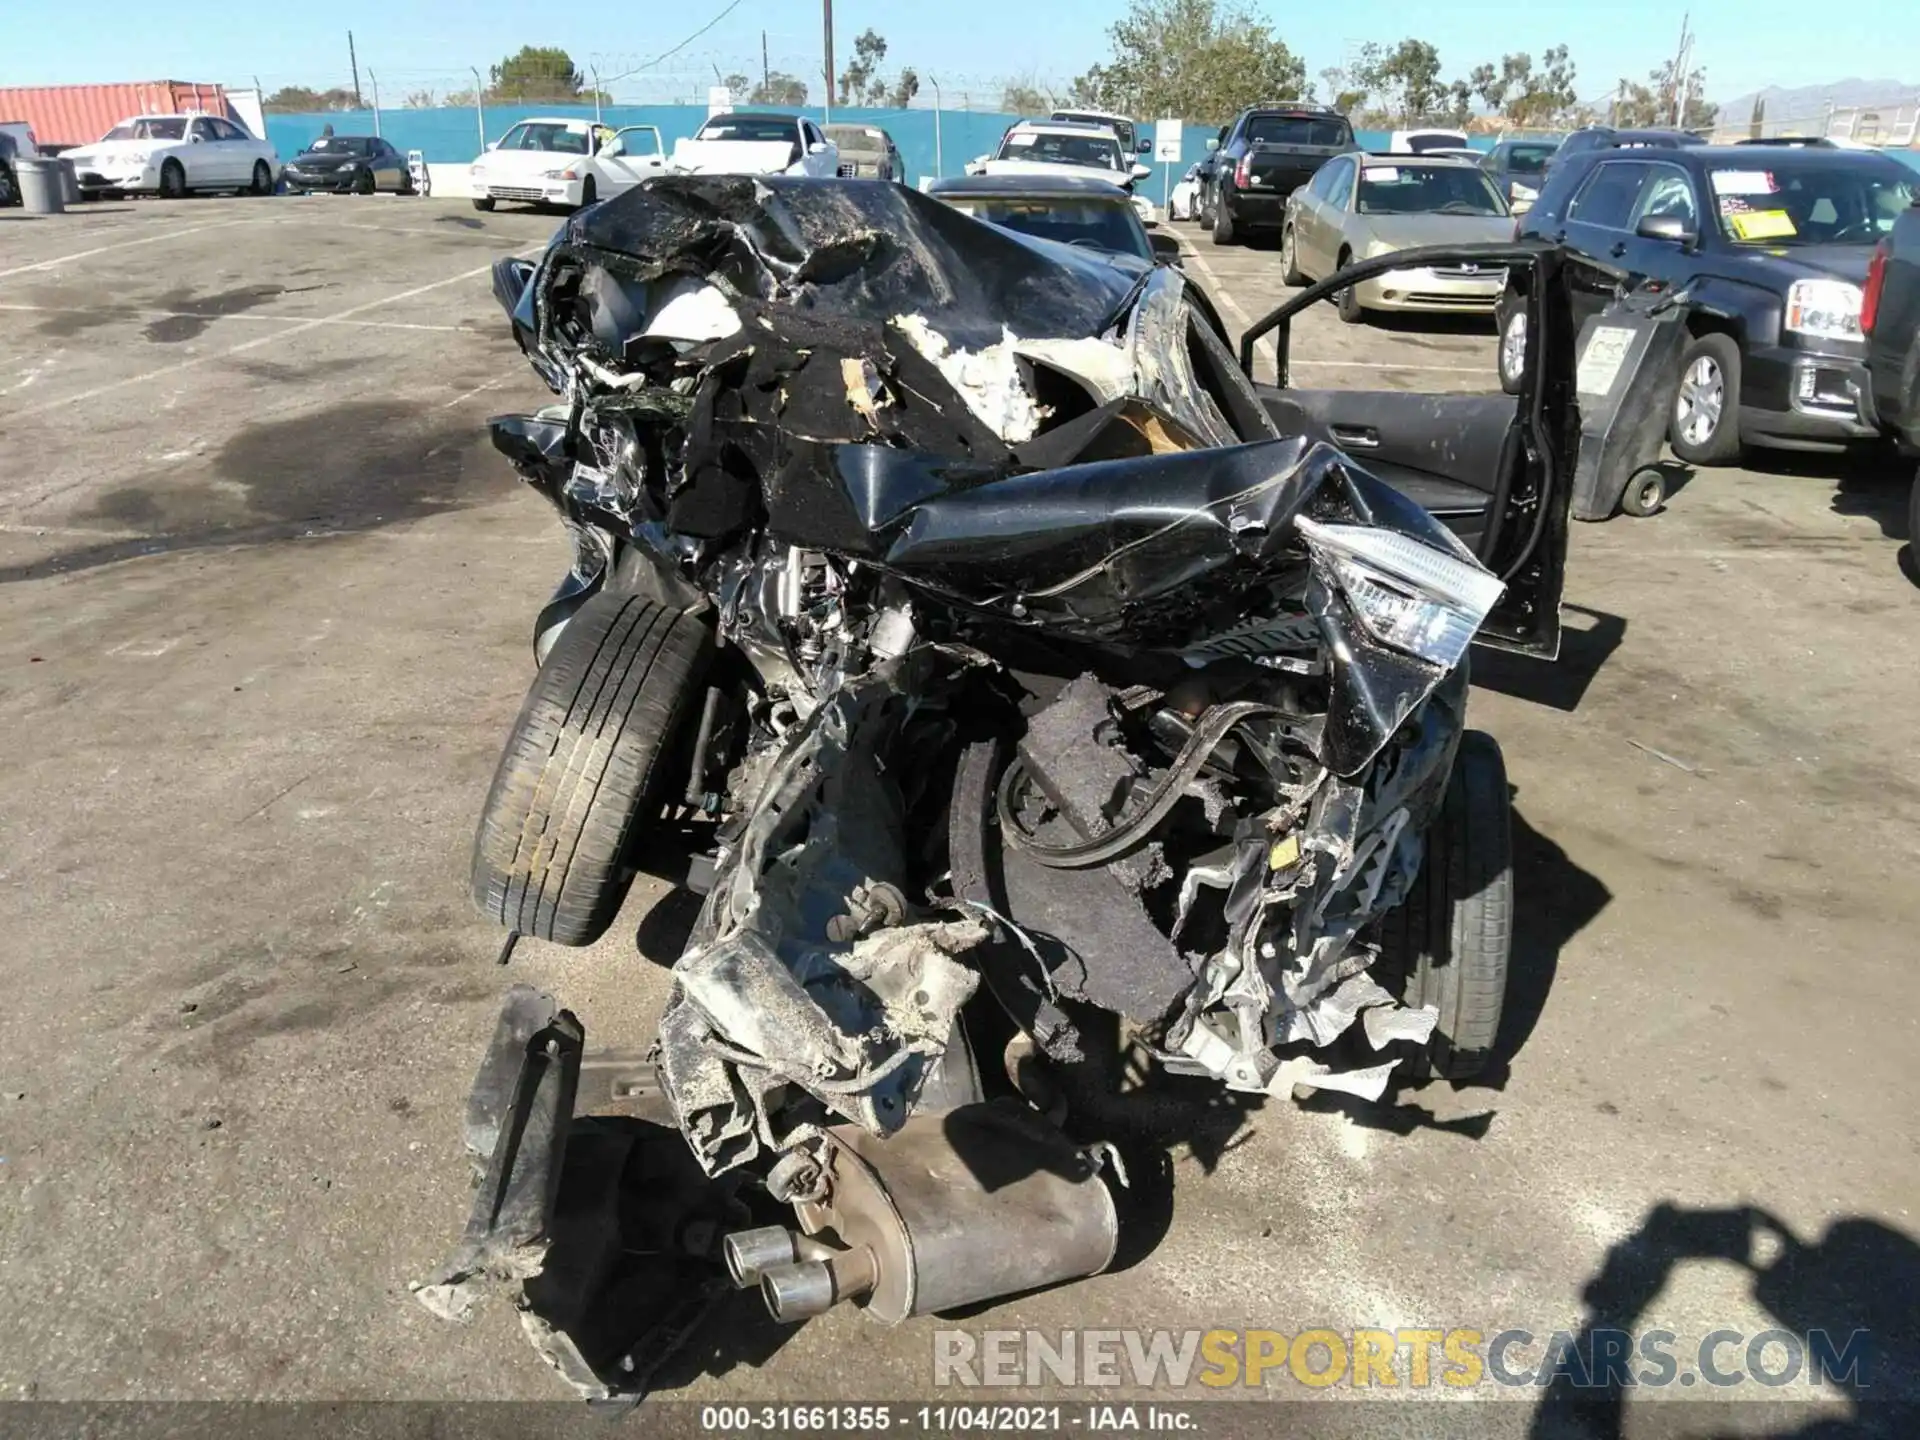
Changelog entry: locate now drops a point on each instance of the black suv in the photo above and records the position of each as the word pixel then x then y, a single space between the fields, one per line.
pixel 1770 246
pixel 1604 137
pixel 1267 153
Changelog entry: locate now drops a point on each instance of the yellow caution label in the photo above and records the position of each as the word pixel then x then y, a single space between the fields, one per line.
pixel 1285 853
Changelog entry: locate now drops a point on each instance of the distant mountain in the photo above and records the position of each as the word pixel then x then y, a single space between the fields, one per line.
pixel 1811 101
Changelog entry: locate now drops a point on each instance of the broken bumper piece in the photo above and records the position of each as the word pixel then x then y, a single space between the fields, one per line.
pixel 605 1222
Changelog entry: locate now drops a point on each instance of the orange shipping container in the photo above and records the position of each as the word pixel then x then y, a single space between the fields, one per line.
pixel 81 114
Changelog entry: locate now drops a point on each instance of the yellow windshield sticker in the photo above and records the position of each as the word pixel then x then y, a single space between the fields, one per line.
pixel 1761 225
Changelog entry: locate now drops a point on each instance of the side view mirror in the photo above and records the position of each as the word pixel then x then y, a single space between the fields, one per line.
pixel 1166 248
pixel 193 139
pixel 493 144
pixel 816 148
pixel 1664 227
pixel 1145 147
pixel 1141 172
pixel 1212 144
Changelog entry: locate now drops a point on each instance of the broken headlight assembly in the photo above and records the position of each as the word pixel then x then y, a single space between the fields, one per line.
pixel 1408 594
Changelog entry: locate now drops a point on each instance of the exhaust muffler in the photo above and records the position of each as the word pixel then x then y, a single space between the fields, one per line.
pixel 953 1209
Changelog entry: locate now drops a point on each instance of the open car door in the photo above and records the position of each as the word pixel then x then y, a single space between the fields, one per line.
pixel 632 155
pixel 1495 468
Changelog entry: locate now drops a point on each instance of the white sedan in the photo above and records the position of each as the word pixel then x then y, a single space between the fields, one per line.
pixel 172 154
pixel 557 161
pixel 1184 203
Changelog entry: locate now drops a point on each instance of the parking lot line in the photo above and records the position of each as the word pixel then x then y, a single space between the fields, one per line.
pixel 138 313
pixel 300 327
pixel 124 245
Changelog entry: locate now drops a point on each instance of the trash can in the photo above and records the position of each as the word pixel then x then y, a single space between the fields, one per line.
pixel 1628 359
pixel 69 181
pixel 41 190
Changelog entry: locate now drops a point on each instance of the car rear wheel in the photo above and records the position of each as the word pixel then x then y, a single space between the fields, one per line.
pixel 1706 407
pixel 591 760
pixel 363 182
pixel 1513 351
pixel 173 181
pixel 1222 223
pixel 1290 271
pixel 1449 943
pixel 262 179
pixel 483 202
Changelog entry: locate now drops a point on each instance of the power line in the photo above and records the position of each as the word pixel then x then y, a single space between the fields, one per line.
pixel 735 5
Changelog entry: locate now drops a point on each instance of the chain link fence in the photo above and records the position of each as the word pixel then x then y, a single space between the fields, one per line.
pixel 1892 122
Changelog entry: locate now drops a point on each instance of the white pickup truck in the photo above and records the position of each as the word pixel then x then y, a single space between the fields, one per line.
pixel 744 143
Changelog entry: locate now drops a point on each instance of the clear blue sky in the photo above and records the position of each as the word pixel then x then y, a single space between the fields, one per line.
pixel 972 46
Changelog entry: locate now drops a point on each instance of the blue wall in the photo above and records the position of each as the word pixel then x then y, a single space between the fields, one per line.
pixel 452 136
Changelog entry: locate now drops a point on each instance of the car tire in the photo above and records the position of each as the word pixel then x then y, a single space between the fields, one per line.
pixel 1913 522
pixel 589 762
pixel 363 182
pixel 1704 428
pixel 262 179
pixel 1290 271
pixel 1510 356
pixel 173 181
pixel 1645 494
pixel 1450 942
pixel 483 202
pixel 1346 303
pixel 1222 223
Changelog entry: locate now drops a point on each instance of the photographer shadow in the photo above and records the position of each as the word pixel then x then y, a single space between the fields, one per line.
pixel 1848 1298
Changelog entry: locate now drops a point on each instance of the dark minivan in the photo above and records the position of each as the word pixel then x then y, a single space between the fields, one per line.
pixel 1770 246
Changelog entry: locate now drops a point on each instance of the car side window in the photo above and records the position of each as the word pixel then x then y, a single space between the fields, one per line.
pixel 1339 182
pixel 1668 192
pixel 201 130
pixel 1608 197
pixel 227 130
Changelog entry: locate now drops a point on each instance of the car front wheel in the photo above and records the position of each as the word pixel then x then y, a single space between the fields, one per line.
pixel 1513 351
pixel 262 178
pixel 1290 271
pixel 1706 407
pixel 173 181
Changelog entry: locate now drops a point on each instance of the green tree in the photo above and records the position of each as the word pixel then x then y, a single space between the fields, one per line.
pixel 904 89
pixel 737 85
pixel 779 88
pixel 1490 85
pixel 1460 103
pixel 1536 97
pixel 538 72
pixel 1199 59
pixel 860 82
pixel 1407 78
pixel 299 100
pixel 1023 97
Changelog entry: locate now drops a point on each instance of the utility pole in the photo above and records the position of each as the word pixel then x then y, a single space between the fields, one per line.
pixel 826 17
pixel 1680 72
pixel 375 80
pixel 766 76
pixel 479 104
pixel 354 60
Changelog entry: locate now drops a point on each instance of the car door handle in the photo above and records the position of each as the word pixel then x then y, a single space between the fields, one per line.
pixel 1618 249
pixel 1356 437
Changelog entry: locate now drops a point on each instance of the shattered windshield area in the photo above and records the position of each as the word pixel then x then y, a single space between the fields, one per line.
pixel 1070 221
pixel 165 127
pixel 1427 189
pixel 1097 152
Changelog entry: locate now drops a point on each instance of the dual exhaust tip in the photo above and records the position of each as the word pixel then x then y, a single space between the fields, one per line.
pixel 798 1276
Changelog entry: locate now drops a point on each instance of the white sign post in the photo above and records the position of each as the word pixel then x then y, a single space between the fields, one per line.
pixel 1167 141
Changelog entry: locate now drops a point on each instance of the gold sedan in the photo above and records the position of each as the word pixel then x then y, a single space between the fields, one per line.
pixel 1359 206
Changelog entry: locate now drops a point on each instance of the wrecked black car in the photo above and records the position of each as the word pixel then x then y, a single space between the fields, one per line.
pixel 1033 685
